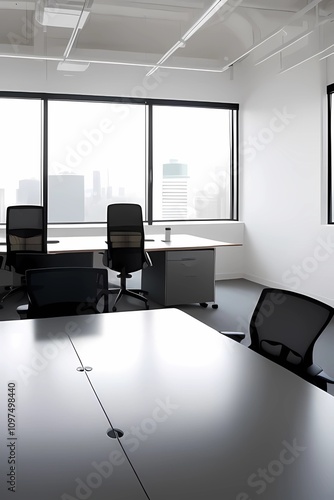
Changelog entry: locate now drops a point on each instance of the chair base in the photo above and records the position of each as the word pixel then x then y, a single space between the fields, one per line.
pixel 137 294
pixel 11 292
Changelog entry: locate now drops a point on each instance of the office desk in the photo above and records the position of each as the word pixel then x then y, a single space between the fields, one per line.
pixel 183 270
pixel 154 243
pixel 203 417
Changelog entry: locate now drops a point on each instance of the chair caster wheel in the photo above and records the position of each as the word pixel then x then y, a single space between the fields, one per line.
pixel 147 306
pixel 114 308
pixel 214 306
pixel 203 304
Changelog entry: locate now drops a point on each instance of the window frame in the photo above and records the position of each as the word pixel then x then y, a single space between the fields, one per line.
pixel 149 103
pixel 330 194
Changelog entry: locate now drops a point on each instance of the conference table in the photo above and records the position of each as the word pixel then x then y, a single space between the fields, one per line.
pixel 155 405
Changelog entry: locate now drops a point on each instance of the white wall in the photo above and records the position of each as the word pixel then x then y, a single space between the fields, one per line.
pixel 116 80
pixel 283 169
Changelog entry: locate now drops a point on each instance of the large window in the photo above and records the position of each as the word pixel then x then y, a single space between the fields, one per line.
pixel 77 154
pixel 191 163
pixel 20 153
pixel 330 91
pixel 96 157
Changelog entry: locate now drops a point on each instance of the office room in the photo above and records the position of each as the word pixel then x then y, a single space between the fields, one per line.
pixel 274 59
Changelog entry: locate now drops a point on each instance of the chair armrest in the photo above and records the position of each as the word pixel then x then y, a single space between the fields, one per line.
pixel 237 336
pixel 324 376
pixel 104 258
pixel 22 311
pixel 103 294
pixel 316 371
pixel 148 260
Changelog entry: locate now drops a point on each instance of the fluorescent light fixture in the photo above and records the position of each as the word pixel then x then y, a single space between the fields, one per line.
pixel 152 70
pixel 114 63
pixel 165 56
pixel 181 43
pixel 184 68
pixel 69 64
pixel 72 66
pixel 283 47
pixel 29 57
pixel 204 18
pixel 328 55
pixel 296 39
pixel 308 59
pixel 250 50
pixel 170 52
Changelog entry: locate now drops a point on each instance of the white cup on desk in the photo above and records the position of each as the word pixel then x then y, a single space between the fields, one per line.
pixel 168 231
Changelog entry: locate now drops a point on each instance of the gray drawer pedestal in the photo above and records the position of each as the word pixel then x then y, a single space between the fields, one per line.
pixel 181 277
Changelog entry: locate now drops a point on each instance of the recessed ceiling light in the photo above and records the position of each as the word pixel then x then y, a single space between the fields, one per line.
pixel 71 66
pixel 62 15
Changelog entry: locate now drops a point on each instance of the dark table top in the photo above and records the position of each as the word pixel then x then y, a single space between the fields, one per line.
pixel 203 417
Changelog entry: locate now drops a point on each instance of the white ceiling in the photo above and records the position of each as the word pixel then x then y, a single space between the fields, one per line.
pixel 141 32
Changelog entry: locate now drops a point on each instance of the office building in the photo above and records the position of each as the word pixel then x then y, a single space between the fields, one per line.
pixel 2 205
pixel 97 189
pixel 175 186
pixel 28 192
pixel 66 198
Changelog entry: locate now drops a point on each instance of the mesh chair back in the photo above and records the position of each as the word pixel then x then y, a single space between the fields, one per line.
pixel 285 326
pixel 25 231
pixel 66 291
pixel 125 237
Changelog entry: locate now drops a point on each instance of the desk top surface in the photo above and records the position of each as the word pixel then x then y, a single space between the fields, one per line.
pixel 202 416
pixel 152 243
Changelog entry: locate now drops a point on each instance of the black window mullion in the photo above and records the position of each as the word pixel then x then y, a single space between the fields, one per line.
pixel 45 172
pixel 231 165
pixel 330 174
pixel 150 165
pixel 235 214
pixel 234 165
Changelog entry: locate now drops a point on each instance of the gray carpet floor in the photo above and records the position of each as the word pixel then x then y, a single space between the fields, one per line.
pixel 236 300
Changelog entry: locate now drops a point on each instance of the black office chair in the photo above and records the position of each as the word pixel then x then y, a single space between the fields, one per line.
pixel 284 328
pixel 37 260
pixel 25 233
pixel 126 253
pixel 66 291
